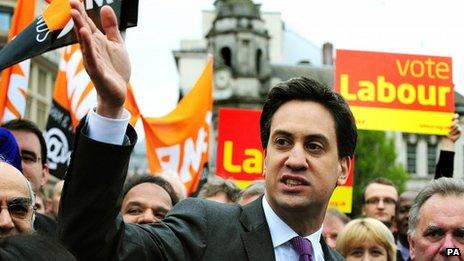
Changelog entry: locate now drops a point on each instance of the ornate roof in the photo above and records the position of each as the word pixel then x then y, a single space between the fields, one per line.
pixel 237 8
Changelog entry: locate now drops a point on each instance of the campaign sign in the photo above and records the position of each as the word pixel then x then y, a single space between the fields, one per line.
pixel 397 92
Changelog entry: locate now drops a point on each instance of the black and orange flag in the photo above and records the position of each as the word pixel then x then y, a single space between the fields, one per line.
pixel 14 80
pixel 53 28
pixel 73 97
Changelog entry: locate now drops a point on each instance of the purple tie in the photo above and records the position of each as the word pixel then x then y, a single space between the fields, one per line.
pixel 303 247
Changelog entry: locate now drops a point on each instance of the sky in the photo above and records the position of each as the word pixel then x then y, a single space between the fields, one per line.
pixel 426 27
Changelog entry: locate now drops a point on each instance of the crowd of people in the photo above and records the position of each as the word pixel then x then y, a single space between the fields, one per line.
pixel 309 136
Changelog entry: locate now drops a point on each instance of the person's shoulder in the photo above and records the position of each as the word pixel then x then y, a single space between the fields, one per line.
pixel 197 206
pixel 45 225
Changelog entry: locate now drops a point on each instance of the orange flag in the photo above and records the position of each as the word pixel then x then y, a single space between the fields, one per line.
pixel 179 140
pixel 73 97
pixel 14 80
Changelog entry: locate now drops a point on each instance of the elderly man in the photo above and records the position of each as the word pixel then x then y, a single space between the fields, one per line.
pixel 379 201
pixel 16 201
pixel 307 131
pixel 436 221
pixel 10 153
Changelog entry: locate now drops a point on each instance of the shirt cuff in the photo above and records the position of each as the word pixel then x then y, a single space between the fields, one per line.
pixel 107 130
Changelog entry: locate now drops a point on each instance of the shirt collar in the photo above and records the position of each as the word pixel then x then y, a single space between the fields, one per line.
pixel 280 231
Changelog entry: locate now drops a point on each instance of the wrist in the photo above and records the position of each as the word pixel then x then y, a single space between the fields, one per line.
pixel 115 112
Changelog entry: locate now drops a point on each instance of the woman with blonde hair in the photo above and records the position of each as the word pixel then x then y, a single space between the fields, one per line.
pixel 366 239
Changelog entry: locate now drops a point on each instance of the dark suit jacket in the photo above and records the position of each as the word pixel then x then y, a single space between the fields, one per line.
pixel 195 229
pixel 44 225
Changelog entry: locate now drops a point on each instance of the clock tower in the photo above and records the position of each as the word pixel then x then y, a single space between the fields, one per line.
pixel 239 42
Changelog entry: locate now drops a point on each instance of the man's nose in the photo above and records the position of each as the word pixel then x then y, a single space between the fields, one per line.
pixel 6 222
pixel 297 159
pixel 447 243
pixel 147 217
pixel 381 204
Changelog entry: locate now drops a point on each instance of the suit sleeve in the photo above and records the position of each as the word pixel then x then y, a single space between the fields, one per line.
pixel 445 164
pixel 89 222
pixel 89 225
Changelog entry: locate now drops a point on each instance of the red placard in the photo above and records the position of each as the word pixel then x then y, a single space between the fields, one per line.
pixel 239 152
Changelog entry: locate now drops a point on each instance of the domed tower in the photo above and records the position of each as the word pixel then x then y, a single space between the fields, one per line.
pixel 239 42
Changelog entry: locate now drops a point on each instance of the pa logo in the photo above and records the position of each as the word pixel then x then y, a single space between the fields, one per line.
pixel 452 252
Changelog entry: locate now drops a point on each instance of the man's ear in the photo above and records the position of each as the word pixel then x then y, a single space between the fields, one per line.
pixel 344 170
pixel 412 249
pixel 45 173
pixel 264 162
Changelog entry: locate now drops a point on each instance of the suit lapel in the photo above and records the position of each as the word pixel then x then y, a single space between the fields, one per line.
pixel 329 254
pixel 257 237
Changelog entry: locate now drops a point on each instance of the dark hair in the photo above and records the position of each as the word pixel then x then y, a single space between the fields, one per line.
pixel 216 185
pixel 138 179
pixel 381 180
pixel 304 89
pixel 33 247
pixel 27 125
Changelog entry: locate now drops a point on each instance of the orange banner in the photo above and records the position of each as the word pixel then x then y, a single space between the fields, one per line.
pixel 398 92
pixel 179 141
pixel 75 92
pixel 14 80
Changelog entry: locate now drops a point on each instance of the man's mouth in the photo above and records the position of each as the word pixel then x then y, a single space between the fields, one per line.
pixel 291 182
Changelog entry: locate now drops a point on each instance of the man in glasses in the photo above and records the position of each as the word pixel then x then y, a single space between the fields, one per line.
pixel 33 153
pixel 16 202
pixel 379 201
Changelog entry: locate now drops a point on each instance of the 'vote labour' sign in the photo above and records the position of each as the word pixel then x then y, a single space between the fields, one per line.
pixel 397 92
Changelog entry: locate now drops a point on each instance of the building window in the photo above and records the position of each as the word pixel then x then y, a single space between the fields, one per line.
pixel 42 82
pixel 226 56
pixel 42 115
pixel 259 55
pixel 431 158
pixel 28 112
pixel 411 158
pixel 5 19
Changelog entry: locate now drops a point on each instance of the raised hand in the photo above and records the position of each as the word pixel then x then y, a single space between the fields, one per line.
pixel 447 142
pixel 105 58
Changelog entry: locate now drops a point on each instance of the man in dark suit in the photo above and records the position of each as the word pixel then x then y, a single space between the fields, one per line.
pixel 308 134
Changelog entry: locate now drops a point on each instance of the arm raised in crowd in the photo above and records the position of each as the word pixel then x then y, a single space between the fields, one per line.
pixel 105 58
pixel 445 164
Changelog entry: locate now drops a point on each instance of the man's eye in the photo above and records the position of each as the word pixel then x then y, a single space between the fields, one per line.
pixel 434 235
pixel 282 142
pixel 459 235
pixel 314 147
pixel 160 215
pixel 134 211
pixel 18 210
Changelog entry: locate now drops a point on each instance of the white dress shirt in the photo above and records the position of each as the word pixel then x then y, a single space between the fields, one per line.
pixel 281 234
pixel 107 130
